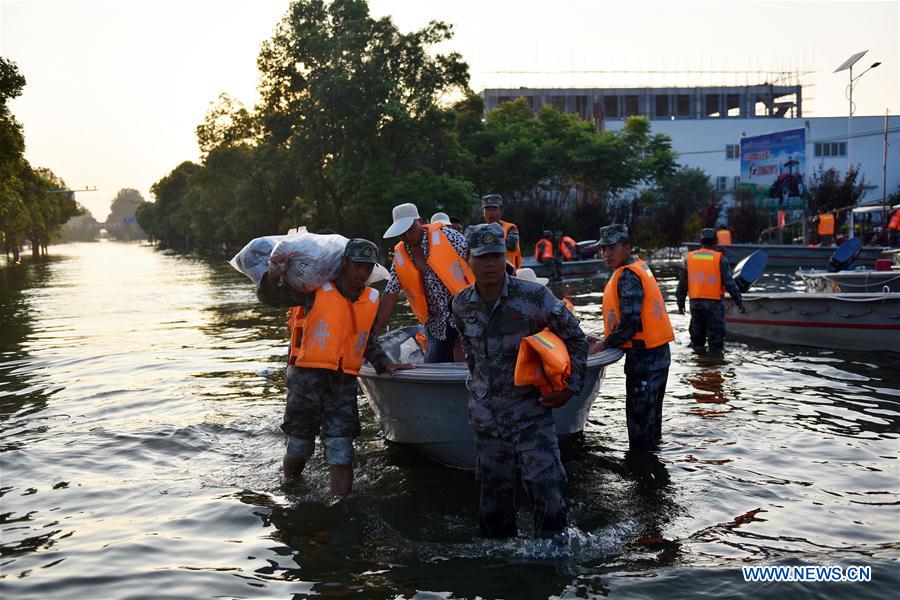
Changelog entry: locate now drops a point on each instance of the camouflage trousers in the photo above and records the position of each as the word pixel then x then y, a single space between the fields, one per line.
pixel 322 402
pixel 533 454
pixel 708 322
pixel 644 394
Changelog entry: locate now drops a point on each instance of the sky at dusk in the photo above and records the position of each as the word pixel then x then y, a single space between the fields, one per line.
pixel 116 89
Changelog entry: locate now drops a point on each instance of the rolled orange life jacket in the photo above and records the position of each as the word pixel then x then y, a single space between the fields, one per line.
pixel 295 327
pixel 450 268
pixel 705 275
pixel 514 257
pixel 336 330
pixel 826 224
pixel 895 221
pixel 567 247
pixel 543 362
pixel 543 249
pixel 654 318
pixel 723 237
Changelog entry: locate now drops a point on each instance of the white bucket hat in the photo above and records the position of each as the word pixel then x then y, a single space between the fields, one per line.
pixel 403 215
pixel 440 217
pixel 527 274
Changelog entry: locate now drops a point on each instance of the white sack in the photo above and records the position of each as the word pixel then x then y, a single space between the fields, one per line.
pixel 253 259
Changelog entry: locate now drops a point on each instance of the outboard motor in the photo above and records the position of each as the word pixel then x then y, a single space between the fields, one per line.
pixel 587 249
pixel 846 253
pixel 750 269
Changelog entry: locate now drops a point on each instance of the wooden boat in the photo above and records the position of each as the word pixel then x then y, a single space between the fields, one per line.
pixel 426 408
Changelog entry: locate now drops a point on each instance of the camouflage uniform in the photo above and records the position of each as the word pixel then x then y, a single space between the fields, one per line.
pixel 707 316
pixel 321 401
pixel 514 433
pixel 646 369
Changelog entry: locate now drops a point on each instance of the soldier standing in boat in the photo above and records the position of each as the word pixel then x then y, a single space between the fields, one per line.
pixel 430 267
pixel 704 277
pixel 326 353
pixel 635 320
pixel 514 428
pixel 544 254
pixel 492 209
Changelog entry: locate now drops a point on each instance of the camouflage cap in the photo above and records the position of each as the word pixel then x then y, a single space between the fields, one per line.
pixel 485 239
pixel 491 200
pixel 707 233
pixel 360 250
pixel 611 234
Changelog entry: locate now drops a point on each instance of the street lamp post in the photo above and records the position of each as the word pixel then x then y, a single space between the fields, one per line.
pixel 848 64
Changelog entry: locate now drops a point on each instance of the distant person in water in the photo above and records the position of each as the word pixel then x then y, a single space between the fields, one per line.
pixel 704 276
pixel 326 352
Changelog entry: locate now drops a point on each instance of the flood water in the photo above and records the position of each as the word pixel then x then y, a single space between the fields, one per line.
pixel 141 394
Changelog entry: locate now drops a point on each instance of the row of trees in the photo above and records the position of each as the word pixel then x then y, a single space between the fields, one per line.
pixel 33 202
pixel 354 119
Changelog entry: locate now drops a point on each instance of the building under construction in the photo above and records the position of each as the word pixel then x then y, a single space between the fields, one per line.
pixel 670 103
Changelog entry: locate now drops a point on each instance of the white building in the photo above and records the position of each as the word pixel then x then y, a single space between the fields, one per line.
pixel 706 125
pixel 713 145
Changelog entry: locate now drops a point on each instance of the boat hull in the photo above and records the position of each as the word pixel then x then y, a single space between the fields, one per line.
pixel 863 281
pixel 794 255
pixel 572 269
pixel 426 408
pixel 849 321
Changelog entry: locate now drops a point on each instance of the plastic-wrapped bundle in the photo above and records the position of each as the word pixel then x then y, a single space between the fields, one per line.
pixel 253 259
pixel 313 259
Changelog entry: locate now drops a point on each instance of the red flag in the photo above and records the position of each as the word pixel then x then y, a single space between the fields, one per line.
pixel 780 219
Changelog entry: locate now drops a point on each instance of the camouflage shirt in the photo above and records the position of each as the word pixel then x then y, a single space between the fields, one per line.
pixel 281 295
pixel 490 338
pixel 631 299
pixel 731 287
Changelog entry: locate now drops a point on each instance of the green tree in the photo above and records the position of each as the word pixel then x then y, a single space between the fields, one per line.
pixel 121 223
pixel 675 210
pixel 357 104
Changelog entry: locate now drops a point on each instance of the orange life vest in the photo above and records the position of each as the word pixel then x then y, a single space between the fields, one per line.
pixel 512 256
pixel 826 224
pixel 443 260
pixel 705 275
pixel 567 247
pixel 336 330
pixel 543 362
pixel 895 221
pixel 543 249
pixel 295 327
pixel 723 237
pixel 654 318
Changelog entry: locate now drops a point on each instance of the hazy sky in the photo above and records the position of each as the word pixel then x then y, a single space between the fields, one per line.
pixel 115 89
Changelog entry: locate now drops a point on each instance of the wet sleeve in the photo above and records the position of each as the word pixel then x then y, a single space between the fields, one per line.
pixel 512 240
pixel 375 354
pixel 281 295
pixel 457 322
pixel 682 289
pixel 728 281
pixel 631 297
pixel 563 323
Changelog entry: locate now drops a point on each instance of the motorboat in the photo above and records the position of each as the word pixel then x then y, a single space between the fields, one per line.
pixel 569 269
pixel 846 321
pixel 426 408
pixel 793 255
pixel 855 280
